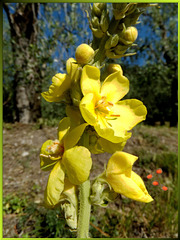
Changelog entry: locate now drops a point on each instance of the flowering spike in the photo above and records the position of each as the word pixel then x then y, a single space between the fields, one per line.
pixel 159 171
pixel 149 176
pixel 155 183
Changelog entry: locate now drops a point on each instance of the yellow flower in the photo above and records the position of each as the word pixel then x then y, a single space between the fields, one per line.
pixel 60 84
pixel 123 180
pixel 101 108
pixel 63 158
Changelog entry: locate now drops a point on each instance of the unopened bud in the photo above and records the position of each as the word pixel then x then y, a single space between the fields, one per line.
pixel 111 54
pixel 119 10
pixel 131 34
pixel 132 18
pixel 97 32
pixel 97 8
pixel 120 49
pixel 84 54
pixel 104 23
pixel 101 194
pixel 95 22
pixel 112 41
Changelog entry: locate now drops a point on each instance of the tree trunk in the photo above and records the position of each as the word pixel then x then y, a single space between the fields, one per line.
pixel 27 80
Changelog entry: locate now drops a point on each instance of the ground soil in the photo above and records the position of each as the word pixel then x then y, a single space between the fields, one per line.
pixel 21 165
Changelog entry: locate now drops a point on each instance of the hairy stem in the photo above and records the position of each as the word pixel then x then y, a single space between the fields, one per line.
pixel 84 211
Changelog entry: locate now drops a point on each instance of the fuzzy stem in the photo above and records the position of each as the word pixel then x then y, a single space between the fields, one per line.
pixel 84 211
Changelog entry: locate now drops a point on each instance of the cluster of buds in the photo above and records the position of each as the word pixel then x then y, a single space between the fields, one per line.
pixel 118 44
pixel 127 13
pixel 120 10
pixel 100 19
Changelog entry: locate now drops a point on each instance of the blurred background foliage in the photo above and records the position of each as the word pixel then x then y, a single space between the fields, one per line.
pixel 152 71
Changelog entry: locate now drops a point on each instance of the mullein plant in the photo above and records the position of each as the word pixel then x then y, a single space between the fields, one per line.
pixel 97 121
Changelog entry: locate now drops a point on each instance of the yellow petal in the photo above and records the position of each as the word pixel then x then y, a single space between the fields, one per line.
pixel 77 162
pixel 138 180
pixel 120 163
pixel 109 132
pixel 115 87
pixel 73 136
pixel 112 67
pixel 71 67
pixel 123 180
pixel 87 108
pixel 126 186
pixel 131 113
pixel 60 84
pixel 63 128
pixel 90 80
pixel 54 186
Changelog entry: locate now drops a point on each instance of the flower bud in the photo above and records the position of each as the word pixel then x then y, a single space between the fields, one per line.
pixel 120 49
pixel 131 34
pixel 97 8
pixel 104 22
pixel 111 54
pixel 101 193
pixel 95 22
pixel 119 10
pixel 112 41
pixel 132 18
pixel 114 68
pixel 84 54
pixel 97 32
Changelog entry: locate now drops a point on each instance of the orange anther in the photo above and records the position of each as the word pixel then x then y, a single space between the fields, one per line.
pixel 164 188
pixel 155 183
pixel 149 176
pixel 159 171
pixel 115 115
pixel 110 103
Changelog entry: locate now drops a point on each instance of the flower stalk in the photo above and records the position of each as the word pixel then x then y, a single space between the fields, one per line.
pixel 84 211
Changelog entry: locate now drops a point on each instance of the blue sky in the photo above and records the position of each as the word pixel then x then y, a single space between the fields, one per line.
pixel 61 18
